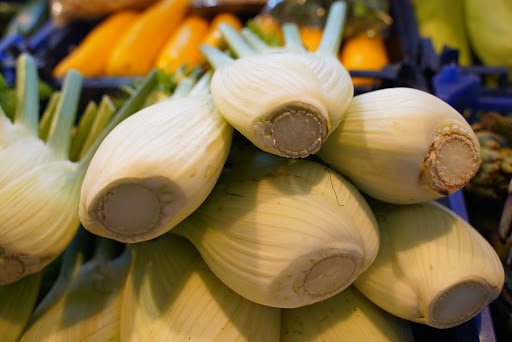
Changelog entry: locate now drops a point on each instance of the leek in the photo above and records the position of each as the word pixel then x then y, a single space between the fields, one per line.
pixel 87 303
pixel 347 316
pixel 432 268
pixel 18 300
pixel 403 145
pixel 285 103
pixel 171 295
pixel 283 232
pixel 156 167
pixel 39 209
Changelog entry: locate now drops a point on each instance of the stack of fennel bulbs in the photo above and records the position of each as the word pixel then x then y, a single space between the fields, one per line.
pixel 402 146
pixel 290 231
pixel 274 237
pixel 40 185
pixel 411 146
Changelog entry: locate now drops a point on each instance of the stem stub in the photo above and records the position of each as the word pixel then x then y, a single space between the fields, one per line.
pixel 131 209
pixel 460 302
pixel 452 161
pixel 298 130
pixel 11 269
pixel 331 274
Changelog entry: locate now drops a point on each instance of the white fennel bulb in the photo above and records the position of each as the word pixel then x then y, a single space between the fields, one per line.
pixel 403 145
pixel 39 207
pixel 347 316
pixel 287 101
pixel 433 267
pixel 172 295
pixel 284 232
pixel 155 168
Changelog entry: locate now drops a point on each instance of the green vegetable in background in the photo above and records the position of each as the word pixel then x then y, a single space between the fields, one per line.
pixel 443 22
pixel 490 32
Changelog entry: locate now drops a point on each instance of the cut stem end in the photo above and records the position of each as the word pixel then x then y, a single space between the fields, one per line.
pixel 331 274
pixel 131 210
pixel 11 269
pixel 453 159
pixel 298 131
pixel 460 302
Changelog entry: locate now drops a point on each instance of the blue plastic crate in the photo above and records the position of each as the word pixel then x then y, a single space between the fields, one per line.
pixel 463 88
pixel 8 45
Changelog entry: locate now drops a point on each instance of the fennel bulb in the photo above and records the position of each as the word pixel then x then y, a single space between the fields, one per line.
pixel 403 145
pixel 172 295
pixel 286 103
pixel 347 316
pixel 39 208
pixel 432 268
pixel 283 232
pixel 155 168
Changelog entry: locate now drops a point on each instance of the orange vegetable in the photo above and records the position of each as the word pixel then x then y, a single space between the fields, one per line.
pixel 135 53
pixel 183 45
pixel 362 52
pixel 90 57
pixel 214 36
pixel 311 37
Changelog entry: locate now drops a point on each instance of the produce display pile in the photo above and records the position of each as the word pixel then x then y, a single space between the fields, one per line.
pixel 244 194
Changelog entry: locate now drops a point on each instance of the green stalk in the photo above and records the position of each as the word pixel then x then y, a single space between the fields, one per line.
pixel 104 114
pixel 214 56
pixel 27 93
pixel 47 117
pixel 130 106
pixel 202 86
pixel 73 258
pixel 59 135
pixel 3 116
pixel 93 287
pixel 184 87
pixel 292 38
pixel 236 42
pixel 18 300
pixel 82 130
pixel 255 41
pixel 333 30
pixel 105 249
